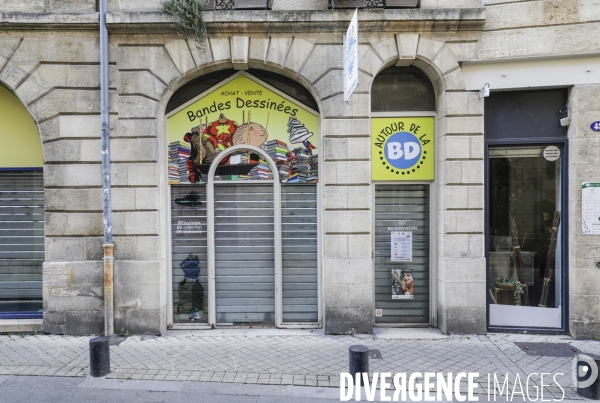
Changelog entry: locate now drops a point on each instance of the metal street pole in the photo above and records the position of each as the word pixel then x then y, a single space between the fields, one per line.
pixel 106 186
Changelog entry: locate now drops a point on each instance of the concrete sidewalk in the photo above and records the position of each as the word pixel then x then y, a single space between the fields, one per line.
pixel 290 357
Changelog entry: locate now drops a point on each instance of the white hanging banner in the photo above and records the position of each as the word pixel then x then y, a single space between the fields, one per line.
pixel 351 57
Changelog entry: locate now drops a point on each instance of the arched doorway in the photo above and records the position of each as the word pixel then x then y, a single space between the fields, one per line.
pixel 21 211
pixel 243 175
pixel 403 153
pixel 244 256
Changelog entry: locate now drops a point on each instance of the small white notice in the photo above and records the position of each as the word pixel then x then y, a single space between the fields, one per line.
pixel 188 227
pixel 235 159
pixel 402 246
pixel 552 153
pixel 590 208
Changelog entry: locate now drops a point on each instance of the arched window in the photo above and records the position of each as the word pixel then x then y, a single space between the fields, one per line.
pixel 21 211
pixel 402 89
pixel 243 173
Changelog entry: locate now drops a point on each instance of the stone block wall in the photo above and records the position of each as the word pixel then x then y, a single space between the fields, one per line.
pixel 55 74
pixel 527 29
pixel 584 250
pixel 51 6
pixel 461 265
pixel 58 6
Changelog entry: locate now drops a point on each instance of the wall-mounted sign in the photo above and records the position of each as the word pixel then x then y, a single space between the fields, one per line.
pixel 595 126
pixel 551 153
pixel 590 208
pixel 403 148
pixel 243 110
pixel 351 57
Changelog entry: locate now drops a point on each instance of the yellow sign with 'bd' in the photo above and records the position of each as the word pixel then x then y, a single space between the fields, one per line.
pixel 402 148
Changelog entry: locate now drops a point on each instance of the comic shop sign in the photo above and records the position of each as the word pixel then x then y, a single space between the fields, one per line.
pixel 243 110
pixel 402 148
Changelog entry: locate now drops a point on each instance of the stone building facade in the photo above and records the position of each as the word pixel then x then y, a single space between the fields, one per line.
pixel 49 58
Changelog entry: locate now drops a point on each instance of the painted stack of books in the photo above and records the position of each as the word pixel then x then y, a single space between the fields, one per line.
pixel 313 173
pixel 261 171
pixel 179 152
pixel 277 150
pixel 174 178
pixel 283 172
pixel 298 132
pixel 302 164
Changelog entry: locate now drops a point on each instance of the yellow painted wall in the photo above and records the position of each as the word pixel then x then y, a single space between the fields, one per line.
pixel 20 144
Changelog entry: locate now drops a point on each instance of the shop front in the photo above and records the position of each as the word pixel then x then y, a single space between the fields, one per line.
pixel 248 190
pixel 243 177
pixel 526 211
pixel 245 202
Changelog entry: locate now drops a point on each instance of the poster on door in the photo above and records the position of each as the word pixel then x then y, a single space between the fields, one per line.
pixel 401 243
pixel 402 284
pixel 243 110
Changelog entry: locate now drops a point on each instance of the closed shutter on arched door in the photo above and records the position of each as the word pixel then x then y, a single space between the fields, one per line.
pixel 21 241
pixel 244 254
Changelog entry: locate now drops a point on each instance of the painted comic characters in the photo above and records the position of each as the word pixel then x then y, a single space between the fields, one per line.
pixel 251 133
pixel 218 134
pixel 272 122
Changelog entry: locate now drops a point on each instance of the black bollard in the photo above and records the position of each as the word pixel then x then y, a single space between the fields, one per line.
pixel 588 375
pixel 359 361
pixel 99 356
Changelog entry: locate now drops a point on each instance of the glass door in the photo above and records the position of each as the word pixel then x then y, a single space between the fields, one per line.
pixel 525 219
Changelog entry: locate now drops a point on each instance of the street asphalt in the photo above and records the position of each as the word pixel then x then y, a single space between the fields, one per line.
pixel 28 389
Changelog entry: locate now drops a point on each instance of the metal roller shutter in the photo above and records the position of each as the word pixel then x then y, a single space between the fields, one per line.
pixel 188 229
pixel 299 243
pixel 244 246
pixel 402 208
pixel 244 254
pixel 21 242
